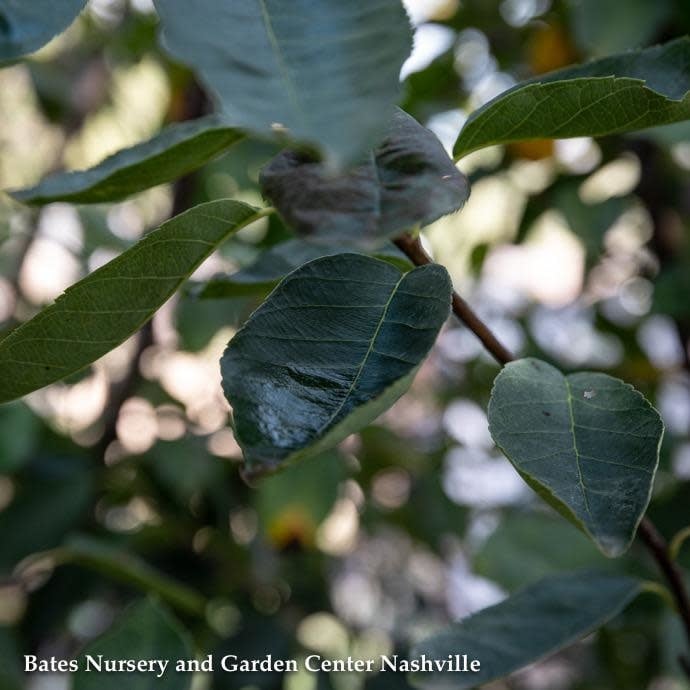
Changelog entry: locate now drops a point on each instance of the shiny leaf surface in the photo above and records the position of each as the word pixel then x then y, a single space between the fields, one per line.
pixel 333 346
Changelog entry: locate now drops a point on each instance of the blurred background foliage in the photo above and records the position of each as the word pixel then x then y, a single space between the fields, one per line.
pixel 124 480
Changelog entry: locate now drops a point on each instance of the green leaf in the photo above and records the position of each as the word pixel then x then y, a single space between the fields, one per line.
pixel 292 504
pixel 671 287
pixel 600 28
pixel 587 443
pixel 275 263
pixel 334 345
pixel 51 496
pixel 185 480
pixel 118 564
pixel 621 93
pixel 145 631
pixel 409 180
pixel 327 72
pixel 19 429
pixel 26 26
pixel 530 625
pixel 105 308
pixel 528 546
pixel 11 677
pixel 176 151
pixel 257 636
pixel 588 221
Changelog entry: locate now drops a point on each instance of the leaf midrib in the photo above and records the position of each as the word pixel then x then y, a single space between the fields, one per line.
pixel 288 80
pixel 571 414
pixel 365 359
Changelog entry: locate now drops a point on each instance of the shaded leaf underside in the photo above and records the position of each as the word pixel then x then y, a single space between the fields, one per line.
pixel 409 180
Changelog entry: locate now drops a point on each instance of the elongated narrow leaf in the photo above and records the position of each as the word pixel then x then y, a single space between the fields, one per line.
pixel 276 262
pixel 174 152
pixel 325 73
pixel 408 180
pixel 145 632
pixel 26 25
pixel 616 94
pixel 333 346
pixel 105 308
pixel 587 443
pixel 532 624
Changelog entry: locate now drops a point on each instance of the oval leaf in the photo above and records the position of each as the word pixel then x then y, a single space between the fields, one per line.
pixel 105 308
pixel 275 263
pixel 587 443
pixel 146 631
pixel 409 180
pixel 530 625
pixel 622 93
pixel 176 151
pixel 333 346
pixel 26 26
pixel 325 73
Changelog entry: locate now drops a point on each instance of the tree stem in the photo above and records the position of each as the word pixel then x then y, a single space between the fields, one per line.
pixel 121 566
pixel 412 247
pixel 647 532
pixel 658 547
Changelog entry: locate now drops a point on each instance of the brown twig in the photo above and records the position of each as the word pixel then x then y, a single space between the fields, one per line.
pixel 412 247
pixel 648 533
pixel 658 547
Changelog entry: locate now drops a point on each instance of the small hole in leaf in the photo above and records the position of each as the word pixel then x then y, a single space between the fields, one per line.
pixel 589 394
